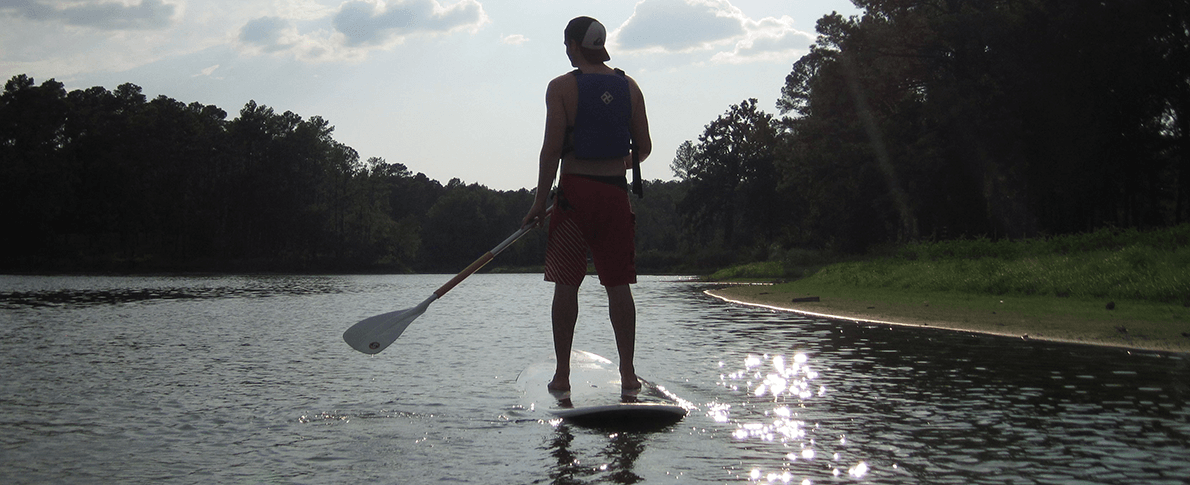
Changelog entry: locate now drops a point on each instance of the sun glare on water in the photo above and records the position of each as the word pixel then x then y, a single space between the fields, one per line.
pixel 779 391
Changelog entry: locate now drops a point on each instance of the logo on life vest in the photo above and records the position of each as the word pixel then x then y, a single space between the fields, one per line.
pixel 607 98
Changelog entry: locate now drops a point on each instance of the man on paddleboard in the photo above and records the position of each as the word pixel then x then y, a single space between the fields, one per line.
pixel 595 118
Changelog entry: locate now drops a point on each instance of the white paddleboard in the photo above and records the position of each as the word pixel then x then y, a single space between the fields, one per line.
pixel 595 397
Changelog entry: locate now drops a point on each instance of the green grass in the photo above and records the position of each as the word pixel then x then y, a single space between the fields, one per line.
pixel 789 264
pixel 1130 323
pixel 1057 287
pixel 761 270
pixel 1134 272
pixel 1147 266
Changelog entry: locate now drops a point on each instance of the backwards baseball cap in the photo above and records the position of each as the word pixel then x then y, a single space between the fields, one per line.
pixel 590 35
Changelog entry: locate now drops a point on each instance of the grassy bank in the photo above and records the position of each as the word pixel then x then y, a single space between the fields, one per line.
pixel 1114 287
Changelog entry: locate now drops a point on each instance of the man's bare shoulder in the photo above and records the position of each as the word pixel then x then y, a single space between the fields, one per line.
pixel 564 80
pixel 562 87
pixel 631 81
pixel 634 88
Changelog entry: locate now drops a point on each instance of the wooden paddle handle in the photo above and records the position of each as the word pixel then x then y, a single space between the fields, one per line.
pixel 487 257
pixel 464 274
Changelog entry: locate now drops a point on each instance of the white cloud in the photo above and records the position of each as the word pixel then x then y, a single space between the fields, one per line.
pixel 301 9
pixel 370 22
pixel 678 26
pixel 267 34
pixel 355 28
pixel 713 30
pixel 103 15
pixel 770 39
pixel 514 39
pixel 62 38
pixel 207 71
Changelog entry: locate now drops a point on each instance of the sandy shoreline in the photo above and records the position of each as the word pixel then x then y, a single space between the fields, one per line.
pixel 861 312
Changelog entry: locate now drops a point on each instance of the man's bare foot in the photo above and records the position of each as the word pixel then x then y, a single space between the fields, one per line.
pixel 629 386
pixel 558 385
pixel 561 392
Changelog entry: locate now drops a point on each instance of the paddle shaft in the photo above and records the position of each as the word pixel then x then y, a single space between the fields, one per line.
pixel 483 260
pixel 374 334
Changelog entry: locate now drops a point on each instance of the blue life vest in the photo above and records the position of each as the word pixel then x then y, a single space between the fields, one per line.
pixel 601 123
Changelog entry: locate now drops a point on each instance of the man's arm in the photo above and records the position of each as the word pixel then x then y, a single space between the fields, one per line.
pixel 551 148
pixel 638 124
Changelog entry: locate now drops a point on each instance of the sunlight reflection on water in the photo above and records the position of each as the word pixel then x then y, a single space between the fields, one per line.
pixel 778 390
pixel 230 379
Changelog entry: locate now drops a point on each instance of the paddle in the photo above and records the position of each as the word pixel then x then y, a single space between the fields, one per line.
pixel 373 334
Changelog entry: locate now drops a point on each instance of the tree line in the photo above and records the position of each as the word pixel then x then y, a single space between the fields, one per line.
pixel 942 119
pixel 919 120
pixel 98 180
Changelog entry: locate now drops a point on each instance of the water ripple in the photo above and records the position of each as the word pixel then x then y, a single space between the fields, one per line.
pixel 245 379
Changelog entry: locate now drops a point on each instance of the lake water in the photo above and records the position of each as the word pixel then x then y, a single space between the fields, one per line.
pixel 245 379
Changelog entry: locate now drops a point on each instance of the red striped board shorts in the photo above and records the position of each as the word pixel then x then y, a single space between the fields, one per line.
pixel 592 215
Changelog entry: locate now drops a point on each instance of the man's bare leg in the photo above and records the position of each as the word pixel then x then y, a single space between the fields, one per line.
pixel 564 316
pixel 622 311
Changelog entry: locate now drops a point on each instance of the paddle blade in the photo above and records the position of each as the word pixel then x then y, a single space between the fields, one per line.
pixel 374 334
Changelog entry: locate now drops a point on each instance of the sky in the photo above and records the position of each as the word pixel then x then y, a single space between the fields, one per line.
pixel 449 88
